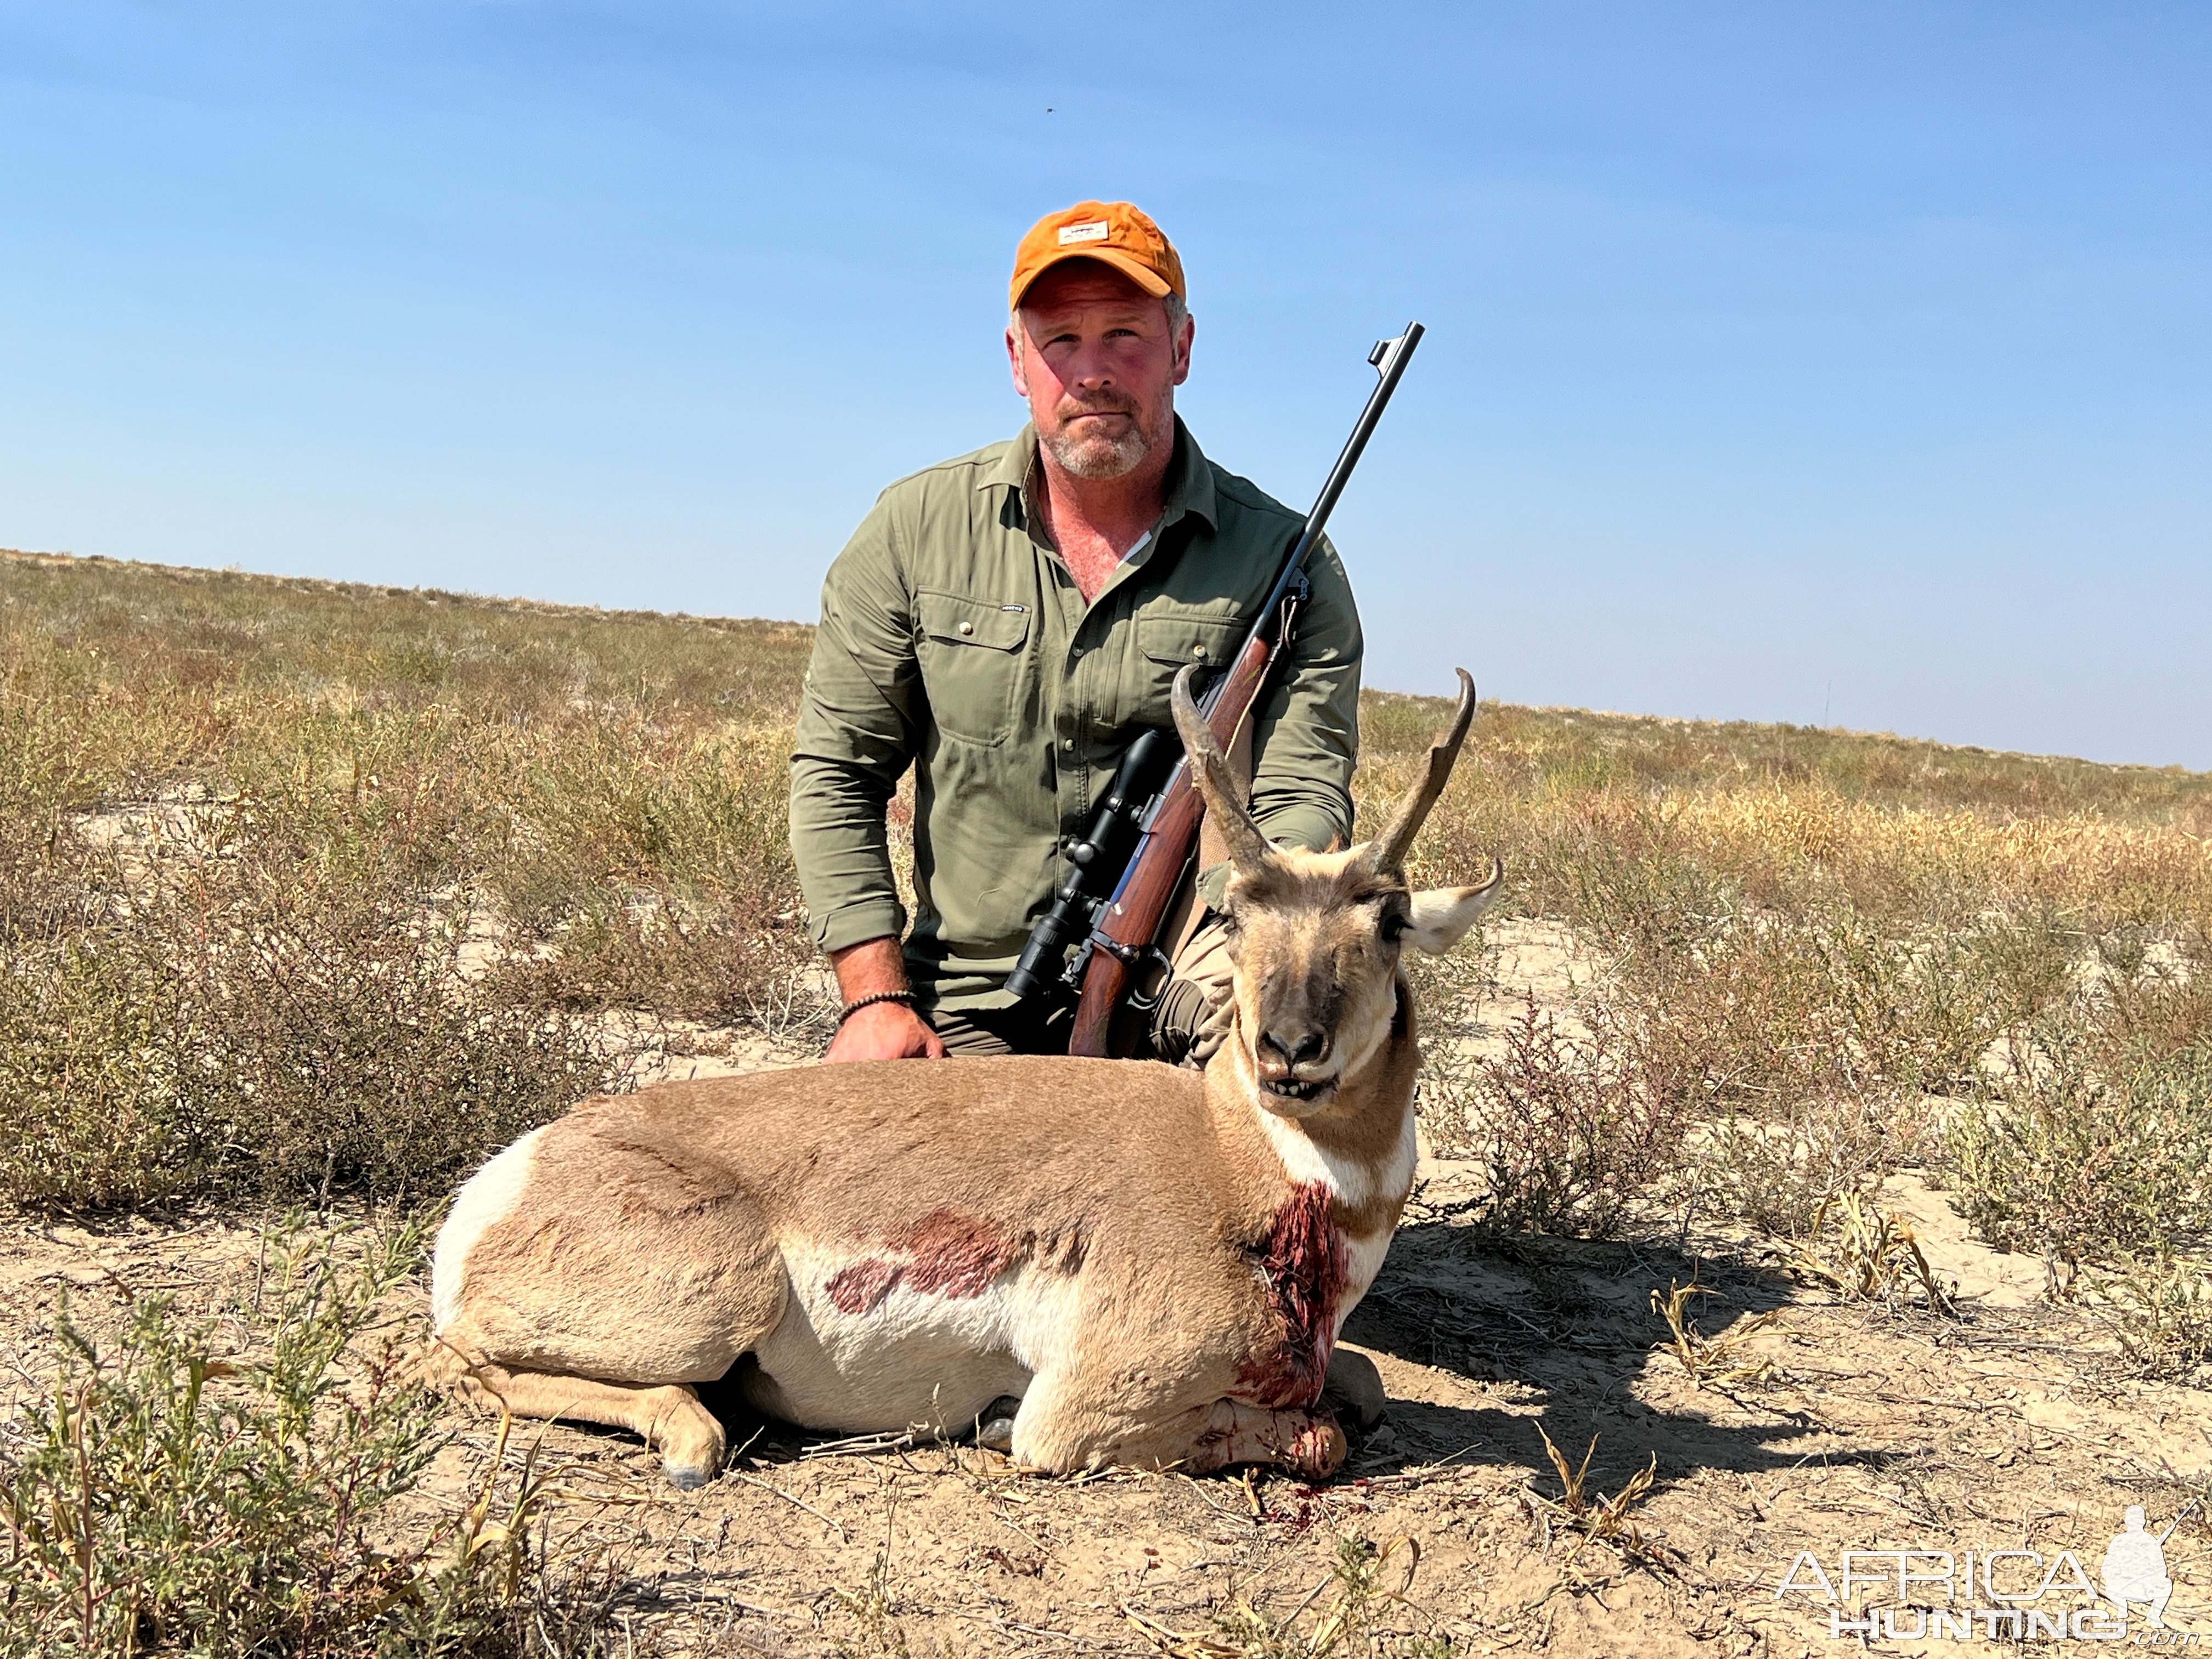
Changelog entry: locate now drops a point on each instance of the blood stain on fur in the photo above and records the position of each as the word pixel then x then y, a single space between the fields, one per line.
pixel 946 1253
pixel 856 1288
pixel 1303 1262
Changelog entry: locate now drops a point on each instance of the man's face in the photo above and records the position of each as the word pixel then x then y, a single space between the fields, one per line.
pixel 1091 352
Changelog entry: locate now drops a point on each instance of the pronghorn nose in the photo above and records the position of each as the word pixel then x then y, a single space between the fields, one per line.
pixel 1296 1050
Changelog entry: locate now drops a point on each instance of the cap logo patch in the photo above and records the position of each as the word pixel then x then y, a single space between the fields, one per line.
pixel 1094 232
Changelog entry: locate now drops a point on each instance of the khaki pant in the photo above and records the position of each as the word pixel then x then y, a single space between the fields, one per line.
pixel 1160 1024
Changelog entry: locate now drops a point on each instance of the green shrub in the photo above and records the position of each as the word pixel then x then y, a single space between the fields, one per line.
pixel 169 1499
pixel 91 1100
pixel 2074 1156
pixel 2160 1308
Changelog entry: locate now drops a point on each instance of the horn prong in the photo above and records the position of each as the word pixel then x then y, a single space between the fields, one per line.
pixel 1209 773
pixel 1389 849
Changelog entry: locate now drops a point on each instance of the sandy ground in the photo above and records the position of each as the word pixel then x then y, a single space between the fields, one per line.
pixel 2007 1425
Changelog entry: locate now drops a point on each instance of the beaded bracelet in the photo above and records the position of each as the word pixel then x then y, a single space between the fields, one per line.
pixel 854 1006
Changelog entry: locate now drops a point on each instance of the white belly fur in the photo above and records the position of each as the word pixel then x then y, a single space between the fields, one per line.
pixel 914 1358
pixel 487 1199
pixel 1362 1260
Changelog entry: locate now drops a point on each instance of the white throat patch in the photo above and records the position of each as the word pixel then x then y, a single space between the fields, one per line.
pixel 1351 1184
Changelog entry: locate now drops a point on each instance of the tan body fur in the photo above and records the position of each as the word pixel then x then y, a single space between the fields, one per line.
pixel 1154 1261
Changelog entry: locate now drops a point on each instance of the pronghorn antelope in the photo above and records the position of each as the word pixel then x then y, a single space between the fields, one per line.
pixel 1141 1264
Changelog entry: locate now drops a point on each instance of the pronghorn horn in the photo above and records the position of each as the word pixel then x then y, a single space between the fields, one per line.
pixel 1209 770
pixel 1388 850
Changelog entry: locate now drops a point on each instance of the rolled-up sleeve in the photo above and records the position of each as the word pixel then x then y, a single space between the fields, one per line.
pixel 1306 740
pixel 857 734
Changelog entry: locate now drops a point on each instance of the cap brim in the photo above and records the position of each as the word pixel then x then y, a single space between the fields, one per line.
pixel 1136 270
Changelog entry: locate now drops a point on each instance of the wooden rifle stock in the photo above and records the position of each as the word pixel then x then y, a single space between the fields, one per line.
pixel 1157 867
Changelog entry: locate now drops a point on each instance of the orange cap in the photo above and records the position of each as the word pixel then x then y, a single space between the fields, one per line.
pixel 1113 233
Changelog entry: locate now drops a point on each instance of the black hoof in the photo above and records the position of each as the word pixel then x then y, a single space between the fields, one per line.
pixel 995 1425
pixel 1354 1389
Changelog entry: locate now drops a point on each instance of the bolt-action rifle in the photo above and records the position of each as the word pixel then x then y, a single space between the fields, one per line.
pixel 1127 866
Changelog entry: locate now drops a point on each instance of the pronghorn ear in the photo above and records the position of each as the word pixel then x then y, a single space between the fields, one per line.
pixel 1439 917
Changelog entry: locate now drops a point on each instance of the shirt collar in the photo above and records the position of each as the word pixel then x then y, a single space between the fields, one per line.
pixel 1190 477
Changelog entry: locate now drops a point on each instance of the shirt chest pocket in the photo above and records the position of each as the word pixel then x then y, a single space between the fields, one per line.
pixel 971 655
pixel 1167 643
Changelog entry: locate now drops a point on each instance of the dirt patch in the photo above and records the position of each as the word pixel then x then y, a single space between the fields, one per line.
pixel 2005 1428
pixel 1540 959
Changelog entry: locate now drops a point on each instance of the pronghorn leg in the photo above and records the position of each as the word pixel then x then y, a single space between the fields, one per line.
pixel 1060 1431
pixel 669 1417
pixel 1354 1389
pixel 994 1424
pixel 1307 1443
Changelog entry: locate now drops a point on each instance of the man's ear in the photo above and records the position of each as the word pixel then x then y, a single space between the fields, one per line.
pixel 1438 918
pixel 1014 355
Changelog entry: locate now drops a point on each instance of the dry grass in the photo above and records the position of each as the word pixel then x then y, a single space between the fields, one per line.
pixel 1876 1257
pixel 1719 1361
pixel 187 1492
pixel 253 832
pixel 1600 1519
pixel 1818 957
pixel 1362 1607
pixel 307 885
pixel 307 888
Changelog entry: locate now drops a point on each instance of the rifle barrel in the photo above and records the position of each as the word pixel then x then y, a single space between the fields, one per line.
pixel 1389 358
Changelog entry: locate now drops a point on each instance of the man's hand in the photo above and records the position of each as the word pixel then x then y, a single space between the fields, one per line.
pixel 883 1030
pixel 888 1030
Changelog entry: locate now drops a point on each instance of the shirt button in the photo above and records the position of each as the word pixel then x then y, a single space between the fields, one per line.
pixel 966 628
pixel 1199 652
pixel 1067 743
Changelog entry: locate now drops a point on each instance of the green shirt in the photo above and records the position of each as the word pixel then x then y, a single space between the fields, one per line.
pixel 954 640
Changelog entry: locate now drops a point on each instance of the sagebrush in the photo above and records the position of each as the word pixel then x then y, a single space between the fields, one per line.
pixel 180 1494
pixel 306 885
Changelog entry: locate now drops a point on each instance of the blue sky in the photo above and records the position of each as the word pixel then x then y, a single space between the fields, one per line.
pixel 1790 362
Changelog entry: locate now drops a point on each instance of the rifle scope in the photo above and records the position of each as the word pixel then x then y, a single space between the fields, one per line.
pixel 1094 863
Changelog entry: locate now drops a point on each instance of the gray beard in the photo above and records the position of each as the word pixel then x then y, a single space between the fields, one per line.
pixel 1099 457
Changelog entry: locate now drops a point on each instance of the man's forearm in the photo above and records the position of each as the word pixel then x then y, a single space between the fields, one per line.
pixel 890 1029
pixel 873 968
pixel 843 851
